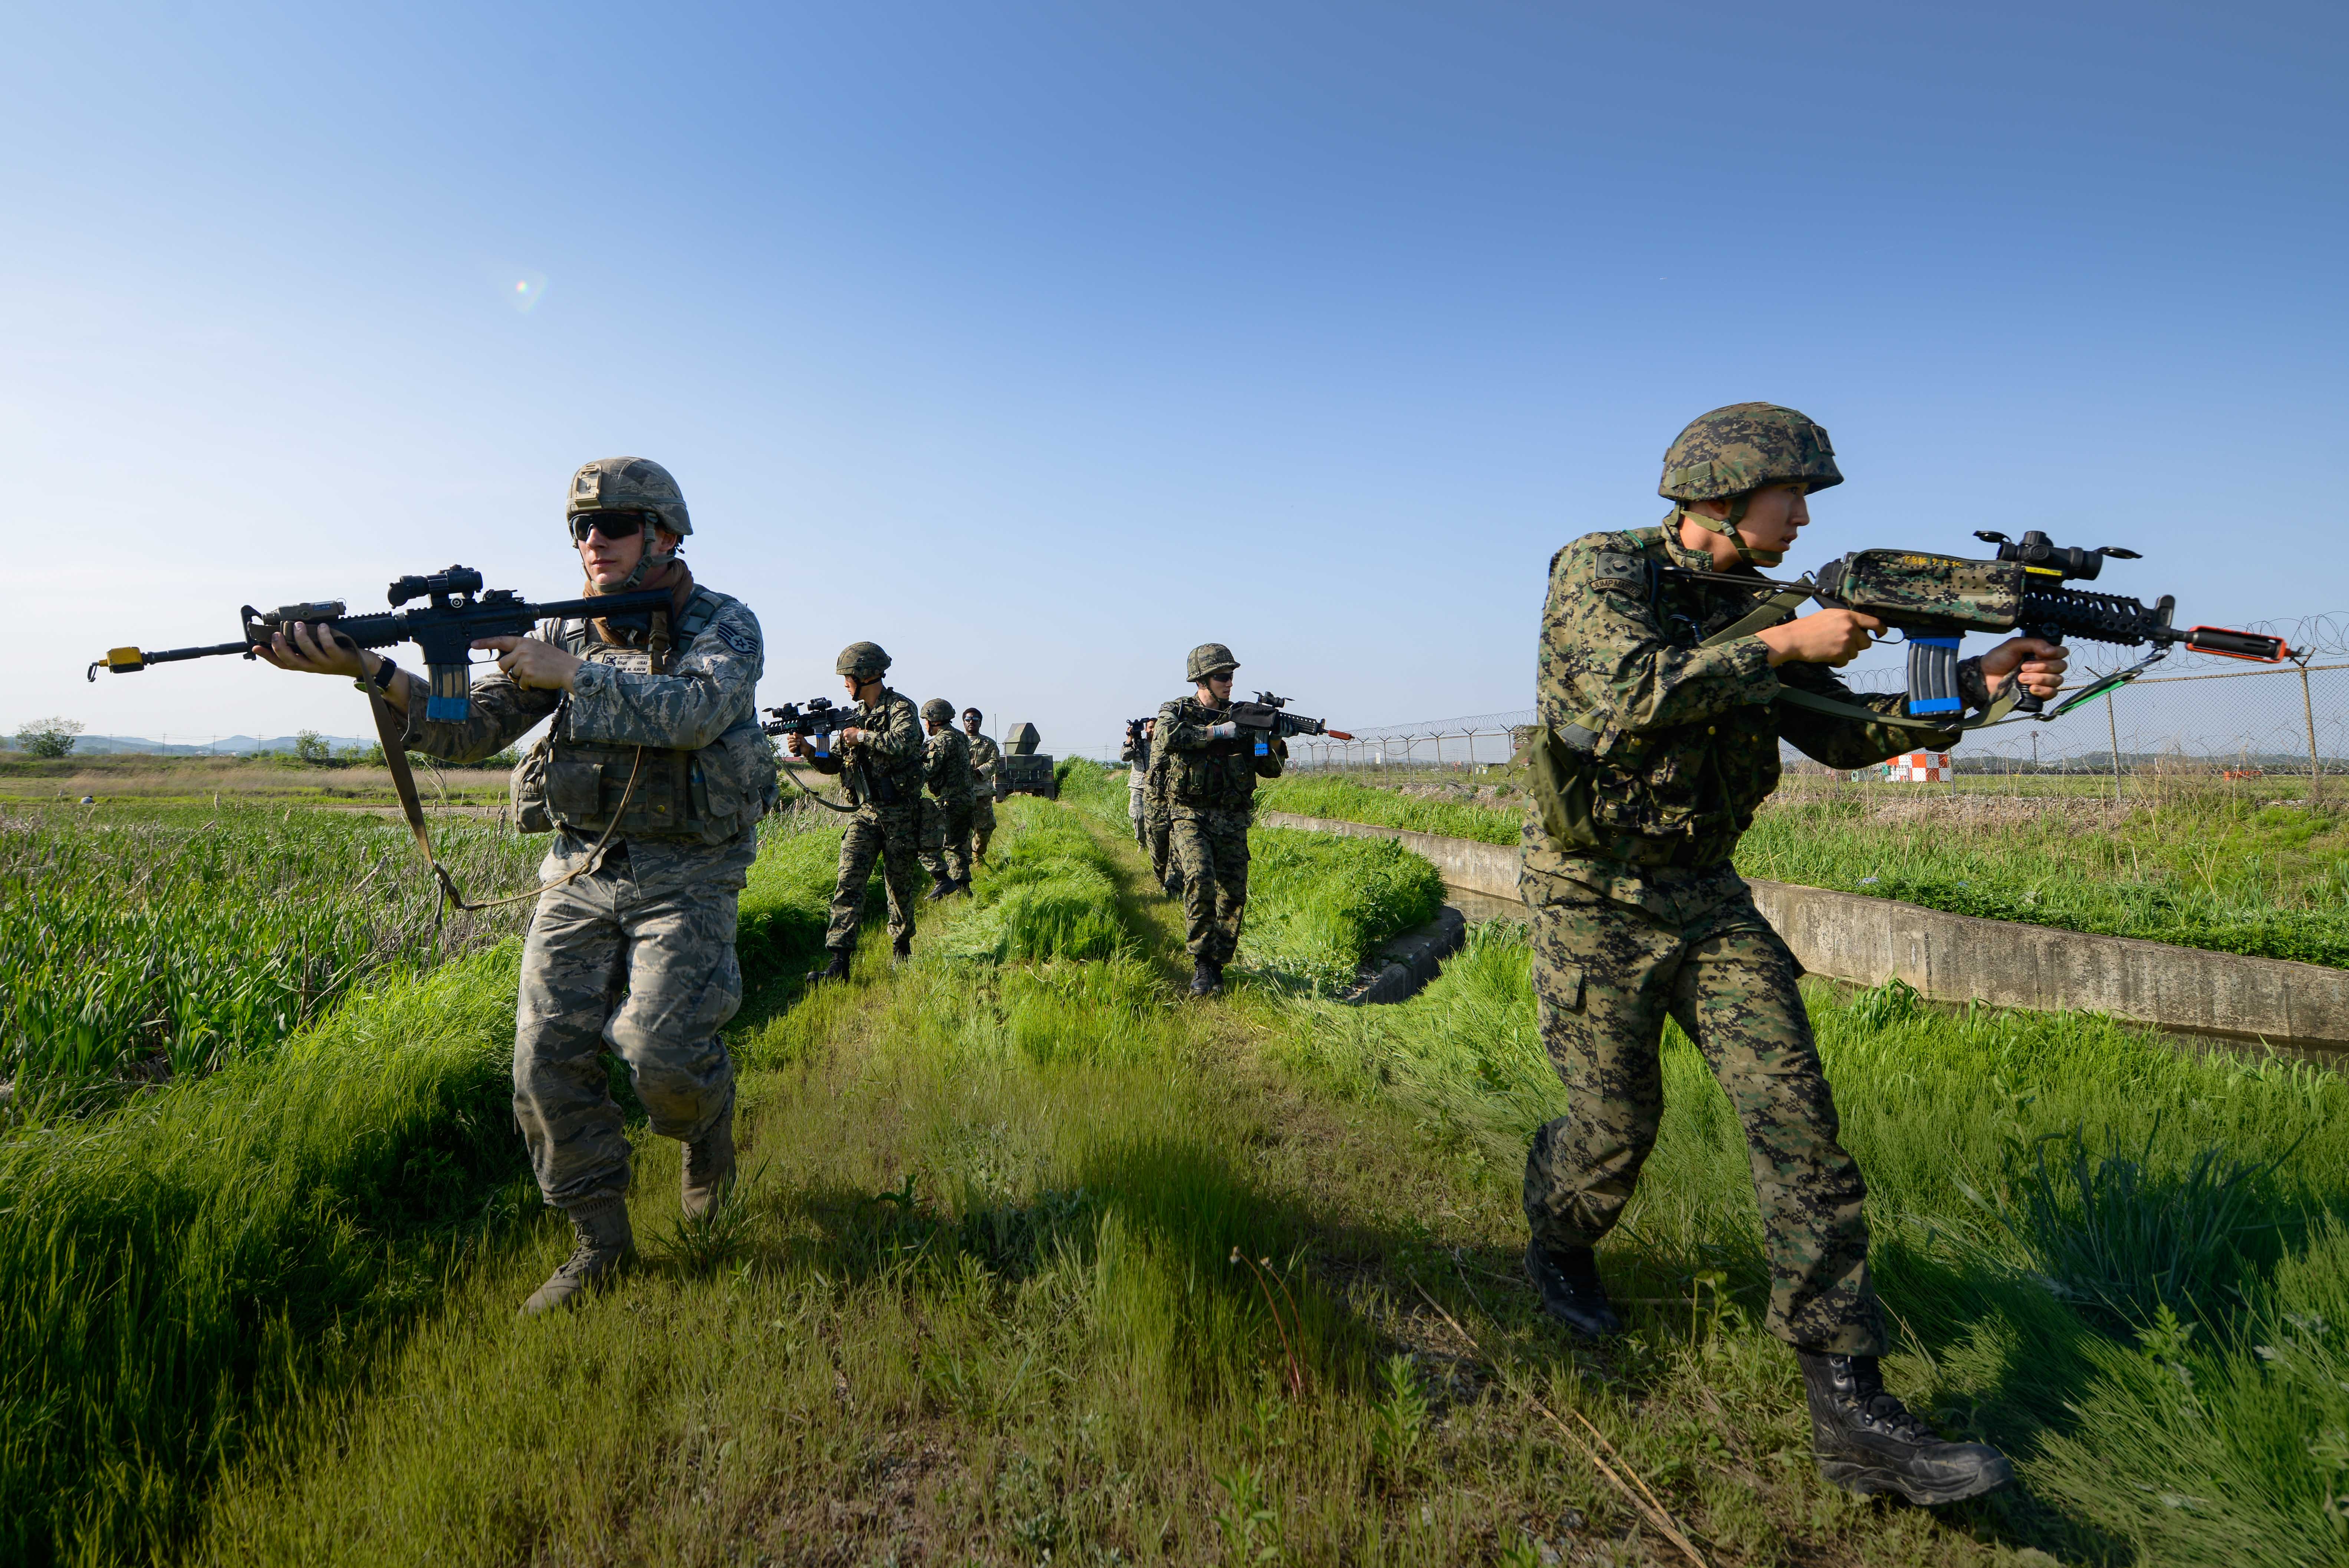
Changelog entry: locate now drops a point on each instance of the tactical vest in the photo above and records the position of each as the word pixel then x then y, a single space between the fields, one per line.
pixel 1220 777
pixel 707 796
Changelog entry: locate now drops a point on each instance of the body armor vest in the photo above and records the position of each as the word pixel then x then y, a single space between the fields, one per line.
pixel 707 796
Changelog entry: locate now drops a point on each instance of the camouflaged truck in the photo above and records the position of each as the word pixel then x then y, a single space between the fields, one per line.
pixel 1026 770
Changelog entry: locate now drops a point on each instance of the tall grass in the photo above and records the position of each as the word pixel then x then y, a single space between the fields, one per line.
pixel 187 939
pixel 2126 1265
pixel 1318 905
pixel 232 1242
pixel 172 1267
pixel 1053 894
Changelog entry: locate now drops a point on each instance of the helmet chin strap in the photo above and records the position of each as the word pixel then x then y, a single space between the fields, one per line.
pixel 1727 528
pixel 646 562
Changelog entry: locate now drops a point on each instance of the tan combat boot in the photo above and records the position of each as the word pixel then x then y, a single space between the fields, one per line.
pixel 603 1243
pixel 708 1168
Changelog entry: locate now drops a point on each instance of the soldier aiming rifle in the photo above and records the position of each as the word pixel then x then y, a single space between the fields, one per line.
pixel 653 777
pixel 879 758
pixel 1664 703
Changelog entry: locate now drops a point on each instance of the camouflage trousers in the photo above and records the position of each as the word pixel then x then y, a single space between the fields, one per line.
pixel 891 834
pixel 1157 837
pixel 650 977
pixel 1606 975
pixel 1138 810
pixel 945 838
pixel 1212 849
pixel 982 825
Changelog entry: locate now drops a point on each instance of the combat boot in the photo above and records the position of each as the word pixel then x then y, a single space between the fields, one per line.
pixel 834 968
pixel 1206 977
pixel 708 1168
pixel 962 885
pixel 901 951
pixel 1869 1442
pixel 940 887
pixel 1571 1291
pixel 603 1243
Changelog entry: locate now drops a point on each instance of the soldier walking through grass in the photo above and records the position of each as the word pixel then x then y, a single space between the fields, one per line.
pixel 880 763
pixel 947 810
pixel 1208 774
pixel 653 777
pixel 986 763
pixel 1663 707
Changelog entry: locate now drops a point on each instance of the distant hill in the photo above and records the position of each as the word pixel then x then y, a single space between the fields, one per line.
pixel 240 745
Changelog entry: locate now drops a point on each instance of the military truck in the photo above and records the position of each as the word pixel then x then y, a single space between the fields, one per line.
pixel 1026 770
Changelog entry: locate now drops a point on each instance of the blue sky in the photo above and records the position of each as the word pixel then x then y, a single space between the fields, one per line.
pixel 1041 342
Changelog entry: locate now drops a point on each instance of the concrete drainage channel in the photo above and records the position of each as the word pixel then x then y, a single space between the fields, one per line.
pixel 2200 997
pixel 1404 965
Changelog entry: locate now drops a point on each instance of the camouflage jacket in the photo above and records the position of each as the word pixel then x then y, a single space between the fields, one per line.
pixel 1191 771
pixel 700 707
pixel 945 767
pixel 1680 742
pixel 883 771
pixel 986 761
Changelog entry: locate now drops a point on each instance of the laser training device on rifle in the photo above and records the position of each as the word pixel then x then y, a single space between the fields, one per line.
pixel 1934 600
pixel 1265 714
pixel 458 614
pixel 1134 739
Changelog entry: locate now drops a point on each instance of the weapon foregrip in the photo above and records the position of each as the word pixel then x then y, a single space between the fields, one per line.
pixel 1933 676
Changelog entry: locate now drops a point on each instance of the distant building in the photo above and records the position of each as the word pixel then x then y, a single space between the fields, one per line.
pixel 1919 767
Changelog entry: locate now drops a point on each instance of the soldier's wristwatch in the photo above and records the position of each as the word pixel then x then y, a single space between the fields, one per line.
pixel 380 681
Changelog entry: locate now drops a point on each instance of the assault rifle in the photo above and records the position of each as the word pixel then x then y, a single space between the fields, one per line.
pixel 1934 600
pixel 1266 713
pixel 1134 739
pixel 458 613
pixel 819 719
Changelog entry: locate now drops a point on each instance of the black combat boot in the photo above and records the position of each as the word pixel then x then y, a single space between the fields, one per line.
pixel 834 968
pixel 1206 977
pixel 1568 1278
pixel 1868 1442
pixel 962 885
pixel 940 887
pixel 901 951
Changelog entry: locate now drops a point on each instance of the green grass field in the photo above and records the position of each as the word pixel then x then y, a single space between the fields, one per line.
pixel 2203 868
pixel 1034 1261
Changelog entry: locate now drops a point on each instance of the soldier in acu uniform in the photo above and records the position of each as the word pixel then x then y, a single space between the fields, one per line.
pixel 882 761
pixel 1207 783
pixel 653 778
pixel 1664 701
pixel 986 761
pixel 947 813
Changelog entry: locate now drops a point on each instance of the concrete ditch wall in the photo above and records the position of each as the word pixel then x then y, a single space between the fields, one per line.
pixel 2300 1008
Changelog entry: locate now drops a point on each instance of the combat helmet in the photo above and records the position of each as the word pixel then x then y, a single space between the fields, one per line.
pixel 632 484
pixel 937 711
pixel 1732 452
pixel 1209 659
pixel 866 660
pixel 629 484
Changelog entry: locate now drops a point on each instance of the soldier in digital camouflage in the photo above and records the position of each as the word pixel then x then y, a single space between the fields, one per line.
pixel 1207 773
pixel 880 763
pixel 1663 701
pixel 653 777
pixel 948 810
pixel 986 761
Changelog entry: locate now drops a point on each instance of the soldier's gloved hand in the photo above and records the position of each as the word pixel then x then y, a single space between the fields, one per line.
pixel 1226 731
pixel 852 737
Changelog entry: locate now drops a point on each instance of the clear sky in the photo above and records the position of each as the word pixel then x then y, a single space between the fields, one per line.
pixel 1041 342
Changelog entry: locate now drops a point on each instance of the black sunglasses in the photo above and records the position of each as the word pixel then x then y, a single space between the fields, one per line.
pixel 611 524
